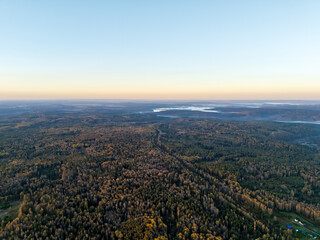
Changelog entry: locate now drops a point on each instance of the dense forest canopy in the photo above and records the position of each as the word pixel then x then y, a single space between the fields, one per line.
pixel 116 175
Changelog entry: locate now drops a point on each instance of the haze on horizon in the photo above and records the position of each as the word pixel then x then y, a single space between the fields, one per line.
pixel 160 50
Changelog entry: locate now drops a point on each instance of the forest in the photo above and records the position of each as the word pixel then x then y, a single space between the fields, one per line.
pixel 118 175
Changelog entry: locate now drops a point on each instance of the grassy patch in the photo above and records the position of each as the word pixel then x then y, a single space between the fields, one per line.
pixel 9 211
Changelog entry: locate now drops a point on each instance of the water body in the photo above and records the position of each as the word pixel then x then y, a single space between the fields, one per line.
pixel 303 122
pixel 187 108
pixel 240 115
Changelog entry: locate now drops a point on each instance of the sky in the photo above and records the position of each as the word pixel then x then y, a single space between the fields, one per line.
pixel 182 49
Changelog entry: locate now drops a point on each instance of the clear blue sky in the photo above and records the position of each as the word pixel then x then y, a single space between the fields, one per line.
pixel 160 49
